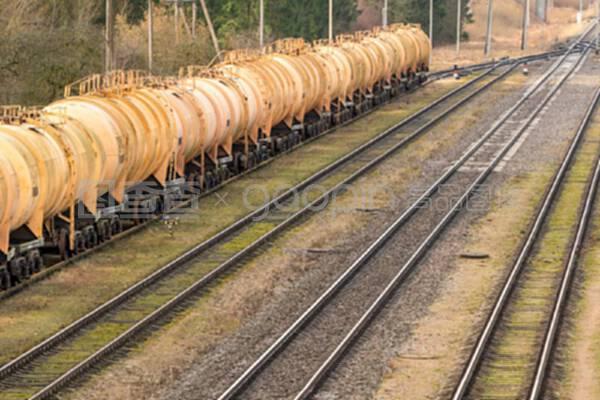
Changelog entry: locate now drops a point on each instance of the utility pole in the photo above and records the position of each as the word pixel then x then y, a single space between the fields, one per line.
pixel 525 30
pixel 211 29
pixel 541 9
pixel 109 38
pixel 490 21
pixel 331 20
pixel 458 26
pixel 176 10
pixel 194 15
pixel 150 35
pixel 597 25
pixel 431 28
pixel 580 13
pixel 385 12
pixel 261 29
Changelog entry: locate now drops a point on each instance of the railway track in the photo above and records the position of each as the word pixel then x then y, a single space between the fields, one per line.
pixel 54 266
pixel 301 357
pixel 514 349
pixel 52 364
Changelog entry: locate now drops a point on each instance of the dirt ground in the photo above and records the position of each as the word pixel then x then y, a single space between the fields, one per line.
pixel 562 25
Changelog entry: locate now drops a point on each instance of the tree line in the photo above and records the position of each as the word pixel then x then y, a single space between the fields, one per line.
pixel 46 44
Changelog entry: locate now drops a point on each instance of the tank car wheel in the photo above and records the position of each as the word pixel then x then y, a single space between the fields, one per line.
pixel 159 206
pixel 279 145
pixel 91 239
pixel 29 267
pixel 39 262
pixel 107 231
pixel 291 139
pixel 63 245
pixel 264 154
pixel 103 231
pixel 14 271
pixel 240 163
pixel 35 261
pixel 18 270
pixel 347 115
pixel 116 226
pixel 251 161
pixel 219 177
pixel 79 243
pixel 226 173
pixel 4 279
pixel 209 180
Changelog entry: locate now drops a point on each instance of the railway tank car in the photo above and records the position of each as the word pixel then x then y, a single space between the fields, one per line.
pixel 125 147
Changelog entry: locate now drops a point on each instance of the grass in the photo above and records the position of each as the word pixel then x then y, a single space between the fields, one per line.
pixel 42 309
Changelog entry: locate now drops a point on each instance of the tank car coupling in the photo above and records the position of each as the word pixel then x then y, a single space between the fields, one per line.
pixel 525 69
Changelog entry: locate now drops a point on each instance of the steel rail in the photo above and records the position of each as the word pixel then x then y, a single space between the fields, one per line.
pixel 240 383
pixel 478 67
pixel 61 336
pixel 238 225
pixel 476 355
pixel 571 265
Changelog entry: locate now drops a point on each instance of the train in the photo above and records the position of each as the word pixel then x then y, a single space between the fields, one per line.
pixel 123 147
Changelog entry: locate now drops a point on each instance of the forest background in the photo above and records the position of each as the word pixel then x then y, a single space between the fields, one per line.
pixel 46 44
